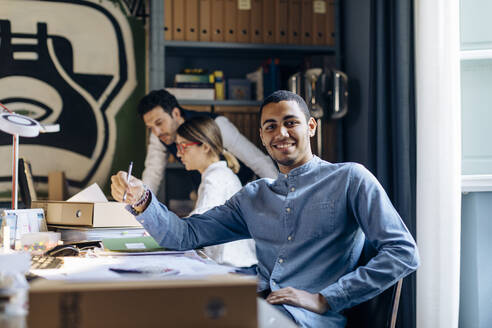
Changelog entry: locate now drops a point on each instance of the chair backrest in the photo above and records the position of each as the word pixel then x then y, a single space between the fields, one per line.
pixel 380 311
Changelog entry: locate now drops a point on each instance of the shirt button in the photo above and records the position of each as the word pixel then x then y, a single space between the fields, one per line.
pixel 292 189
pixel 281 261
pixel 289 238
pixel 274 283
pixel 288 209
pixel 285 175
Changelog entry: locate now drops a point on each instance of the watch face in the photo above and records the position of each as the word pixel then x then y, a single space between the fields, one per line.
pixel 69 63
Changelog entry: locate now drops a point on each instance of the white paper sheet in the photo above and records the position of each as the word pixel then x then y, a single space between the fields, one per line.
pixel 91 194
pixel 83 269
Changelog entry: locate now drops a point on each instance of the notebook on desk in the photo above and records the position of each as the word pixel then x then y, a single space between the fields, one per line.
pixel 135 244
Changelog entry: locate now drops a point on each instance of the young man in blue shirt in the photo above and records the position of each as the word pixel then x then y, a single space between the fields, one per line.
pixel 309 224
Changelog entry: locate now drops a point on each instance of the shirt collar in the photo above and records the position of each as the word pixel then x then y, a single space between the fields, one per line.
pixel 212 166
pixel 281 184
pixel 303 168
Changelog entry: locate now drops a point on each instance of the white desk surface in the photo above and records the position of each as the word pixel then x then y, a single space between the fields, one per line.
pixel 190 266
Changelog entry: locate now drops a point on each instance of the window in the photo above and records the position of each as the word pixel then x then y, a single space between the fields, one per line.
pixel 476 118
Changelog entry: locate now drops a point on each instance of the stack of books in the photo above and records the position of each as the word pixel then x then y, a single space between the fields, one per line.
pixel 193 84
pixel 266 79
pixel 271 76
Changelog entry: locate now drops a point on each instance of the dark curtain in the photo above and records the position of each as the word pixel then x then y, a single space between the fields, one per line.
pixel 392 131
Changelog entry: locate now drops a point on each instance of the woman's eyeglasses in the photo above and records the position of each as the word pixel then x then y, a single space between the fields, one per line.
pixel 182 146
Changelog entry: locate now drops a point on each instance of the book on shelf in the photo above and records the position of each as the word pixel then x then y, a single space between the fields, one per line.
pixel 200 85
pixel 192 93
pixel 271 77
pixel 196 78
pixel 219 85
pixel 194 70
pixel 256 78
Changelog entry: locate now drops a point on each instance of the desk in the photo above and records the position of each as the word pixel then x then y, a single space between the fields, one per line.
pixel 204 295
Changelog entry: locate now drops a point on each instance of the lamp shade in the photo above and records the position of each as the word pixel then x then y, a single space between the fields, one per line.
pixel 19 124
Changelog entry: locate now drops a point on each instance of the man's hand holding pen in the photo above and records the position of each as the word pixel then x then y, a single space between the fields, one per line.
pixel 134 189
pixel 128 175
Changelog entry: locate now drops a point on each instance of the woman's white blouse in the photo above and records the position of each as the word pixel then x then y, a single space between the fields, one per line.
pixel 218 184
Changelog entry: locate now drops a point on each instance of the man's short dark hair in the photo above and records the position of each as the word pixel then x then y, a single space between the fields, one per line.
pixel 284 95
pixel 157 98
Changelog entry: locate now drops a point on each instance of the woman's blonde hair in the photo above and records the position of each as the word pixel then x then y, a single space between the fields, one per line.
pixel 203 129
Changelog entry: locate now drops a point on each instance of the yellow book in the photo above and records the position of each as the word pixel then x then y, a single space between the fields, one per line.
pixel 219 85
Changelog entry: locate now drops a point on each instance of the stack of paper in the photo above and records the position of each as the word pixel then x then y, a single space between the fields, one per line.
pixel 70 234
pixel 111 213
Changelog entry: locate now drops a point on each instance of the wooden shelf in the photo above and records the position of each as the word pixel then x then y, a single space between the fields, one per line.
pixel 210 48
pixel 249 46
pixel 219 102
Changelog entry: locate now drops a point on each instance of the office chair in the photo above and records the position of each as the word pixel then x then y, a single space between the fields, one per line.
pixel 380 311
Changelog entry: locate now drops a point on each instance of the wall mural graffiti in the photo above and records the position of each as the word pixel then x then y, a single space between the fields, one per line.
pixel 71 63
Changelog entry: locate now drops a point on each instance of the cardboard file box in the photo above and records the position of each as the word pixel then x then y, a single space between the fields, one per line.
pixel 212 302
pixel 96 215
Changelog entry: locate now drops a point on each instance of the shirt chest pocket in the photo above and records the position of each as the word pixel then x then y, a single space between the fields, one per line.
pixel 320 219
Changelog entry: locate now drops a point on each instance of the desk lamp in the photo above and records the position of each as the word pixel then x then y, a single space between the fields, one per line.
pixel 20 126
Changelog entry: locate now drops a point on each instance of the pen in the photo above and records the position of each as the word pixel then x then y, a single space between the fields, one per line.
pixel 128 178
pixel 153 271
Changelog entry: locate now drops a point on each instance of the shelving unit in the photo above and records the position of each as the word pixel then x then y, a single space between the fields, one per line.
pixel 162 50
pixel 168 57
pixel 226 56
pixel 220 102
pixel 250 47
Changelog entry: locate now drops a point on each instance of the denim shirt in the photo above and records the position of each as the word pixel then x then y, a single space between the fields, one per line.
pixel 309 227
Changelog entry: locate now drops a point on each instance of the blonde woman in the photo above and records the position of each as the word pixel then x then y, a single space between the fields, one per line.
pixel 199 146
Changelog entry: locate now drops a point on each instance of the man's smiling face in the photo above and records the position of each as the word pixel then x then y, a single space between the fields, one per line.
pixel 285 134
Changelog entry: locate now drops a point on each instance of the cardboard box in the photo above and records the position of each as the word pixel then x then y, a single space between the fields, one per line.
pixel 96 215
pixel 221 301
pixel 57 185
